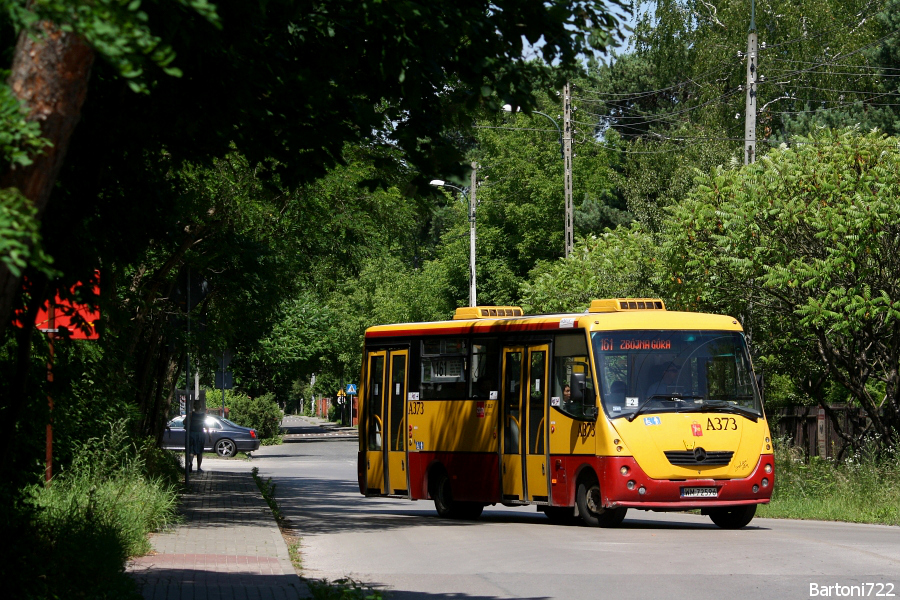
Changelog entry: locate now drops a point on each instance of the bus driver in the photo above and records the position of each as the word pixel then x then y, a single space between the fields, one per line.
pixel 666 382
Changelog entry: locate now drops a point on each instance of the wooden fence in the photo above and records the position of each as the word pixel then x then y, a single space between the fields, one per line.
pixel 808 427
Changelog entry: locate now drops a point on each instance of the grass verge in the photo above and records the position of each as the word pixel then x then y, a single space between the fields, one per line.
pixel 76 534
pixel 864 488
pixel 339 589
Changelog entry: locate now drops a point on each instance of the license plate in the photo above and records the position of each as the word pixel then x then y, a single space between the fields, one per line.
pixel 699 492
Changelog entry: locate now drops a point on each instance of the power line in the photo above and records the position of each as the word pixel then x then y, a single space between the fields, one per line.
pixel 698 80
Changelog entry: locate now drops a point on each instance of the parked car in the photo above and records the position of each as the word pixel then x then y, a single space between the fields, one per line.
pixel 225 437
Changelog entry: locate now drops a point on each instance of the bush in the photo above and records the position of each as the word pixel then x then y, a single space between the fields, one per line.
pixel 81 529
pixel 160 465
pixel 262 413
pixel 862 488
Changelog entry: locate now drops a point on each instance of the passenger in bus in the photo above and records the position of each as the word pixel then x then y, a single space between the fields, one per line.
pixel 666 382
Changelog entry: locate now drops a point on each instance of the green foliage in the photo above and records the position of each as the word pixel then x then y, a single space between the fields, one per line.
pixel 159 465
pixel 520 201
pixel 654 175
pixel 676 101
pixel 618 263
pixel 267 489
pixel 118 30
pixel 19 138
pixel 811 233
pixel 862 488
pixel 20 238
pixel 341 589
pixel 261 413
pixel 83 526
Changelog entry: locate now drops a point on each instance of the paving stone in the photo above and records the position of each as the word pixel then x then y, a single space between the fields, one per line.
pixel 228 547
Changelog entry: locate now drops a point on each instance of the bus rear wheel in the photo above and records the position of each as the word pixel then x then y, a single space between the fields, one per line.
pixel 449 508
pixel 732 518
pixel 590 507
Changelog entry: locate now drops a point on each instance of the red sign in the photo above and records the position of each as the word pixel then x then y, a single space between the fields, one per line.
pixel 696 429
pixel 479 409
pixel 71 319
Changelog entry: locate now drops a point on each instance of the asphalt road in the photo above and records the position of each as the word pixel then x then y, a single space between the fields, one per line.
pixel 404 548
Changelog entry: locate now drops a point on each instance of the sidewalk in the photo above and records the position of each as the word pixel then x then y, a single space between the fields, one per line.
pixel 228 547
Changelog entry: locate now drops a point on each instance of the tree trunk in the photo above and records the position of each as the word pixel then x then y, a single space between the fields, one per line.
pixel 50 73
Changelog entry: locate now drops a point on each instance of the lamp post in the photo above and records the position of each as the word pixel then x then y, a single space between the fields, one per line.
pixel 470 200
pixel 565 150
pixel 508 108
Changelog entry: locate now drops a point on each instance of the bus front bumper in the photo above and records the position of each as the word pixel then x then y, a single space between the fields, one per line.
pixel 684 494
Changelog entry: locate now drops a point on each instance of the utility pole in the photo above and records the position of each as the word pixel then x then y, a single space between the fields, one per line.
pixel 567 167
pixel 472 299
pixel 752 73
pixel 188 405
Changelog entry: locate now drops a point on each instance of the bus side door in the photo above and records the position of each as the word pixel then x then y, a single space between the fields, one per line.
pixel 523 449
pixel 385 406
pixel 536 472
pixel 511 474
pixel 398 474
pixel 374 407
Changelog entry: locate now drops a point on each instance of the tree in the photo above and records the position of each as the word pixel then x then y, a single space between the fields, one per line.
pixel 810 234
pixel 282 79
pixel 520 200
pixel 618 263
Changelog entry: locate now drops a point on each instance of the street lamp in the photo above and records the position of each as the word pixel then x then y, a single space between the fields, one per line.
pixel 470 200
pixel 565 150
pixel 508 108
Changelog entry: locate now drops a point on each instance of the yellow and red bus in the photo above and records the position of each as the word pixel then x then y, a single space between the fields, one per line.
pixel 627 405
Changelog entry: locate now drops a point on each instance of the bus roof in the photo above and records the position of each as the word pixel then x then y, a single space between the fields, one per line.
pixel 604 315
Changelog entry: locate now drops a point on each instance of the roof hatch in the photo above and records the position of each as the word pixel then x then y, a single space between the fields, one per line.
pixel 487 312
pixel 626 304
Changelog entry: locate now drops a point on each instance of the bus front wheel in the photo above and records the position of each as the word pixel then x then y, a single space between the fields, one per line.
pixel 560 515
pixel 591 509
pixel 732 518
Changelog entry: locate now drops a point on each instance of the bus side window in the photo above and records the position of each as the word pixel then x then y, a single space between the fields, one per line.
pixel 572 370
pixel 443 369
pixel 483 372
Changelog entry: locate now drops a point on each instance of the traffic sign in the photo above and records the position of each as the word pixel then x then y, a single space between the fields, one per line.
pixel 341 393
pixel 351 389
pixel 224 381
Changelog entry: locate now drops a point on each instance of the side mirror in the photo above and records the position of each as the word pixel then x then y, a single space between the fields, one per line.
pixel 583 397
pixel 577 385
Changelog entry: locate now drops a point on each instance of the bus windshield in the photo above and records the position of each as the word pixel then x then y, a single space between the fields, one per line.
pixel 675 371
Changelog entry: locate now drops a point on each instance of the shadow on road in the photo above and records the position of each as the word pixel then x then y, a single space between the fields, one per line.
pixel 327 506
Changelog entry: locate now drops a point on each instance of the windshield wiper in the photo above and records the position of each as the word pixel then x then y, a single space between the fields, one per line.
pixel 719 405
pixel 673 396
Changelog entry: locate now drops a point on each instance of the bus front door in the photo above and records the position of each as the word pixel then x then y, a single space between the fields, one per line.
pixel 386 435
